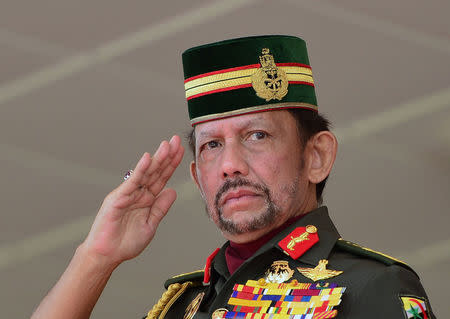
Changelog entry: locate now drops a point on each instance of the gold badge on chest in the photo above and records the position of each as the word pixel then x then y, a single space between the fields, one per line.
pixel 320 272
pixel 191 310
pixel 278 272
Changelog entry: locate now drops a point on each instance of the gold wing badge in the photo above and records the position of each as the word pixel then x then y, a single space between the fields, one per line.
pixel 269 82
pixel 320 272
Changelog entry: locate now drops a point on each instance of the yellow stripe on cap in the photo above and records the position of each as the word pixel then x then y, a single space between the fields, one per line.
pixel 220 81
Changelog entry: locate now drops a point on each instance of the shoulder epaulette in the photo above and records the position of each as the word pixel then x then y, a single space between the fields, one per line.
pixel 195 277
pixel 175 286
pixel 370 253
pixel 174 291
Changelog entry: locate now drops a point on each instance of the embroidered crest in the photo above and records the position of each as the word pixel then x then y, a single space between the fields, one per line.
pixel 278 272
pixel 269 81
pixel 415 307
pixel 320 272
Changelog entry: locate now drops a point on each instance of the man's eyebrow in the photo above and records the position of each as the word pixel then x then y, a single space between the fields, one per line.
pixel 241 126
pixel 206 133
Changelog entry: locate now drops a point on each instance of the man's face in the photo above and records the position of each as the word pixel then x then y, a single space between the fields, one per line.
pixel 249 171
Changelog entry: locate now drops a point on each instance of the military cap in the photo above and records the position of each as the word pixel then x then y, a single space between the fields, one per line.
pixel 247 75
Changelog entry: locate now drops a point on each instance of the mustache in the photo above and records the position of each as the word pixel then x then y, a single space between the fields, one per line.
pixel 239 182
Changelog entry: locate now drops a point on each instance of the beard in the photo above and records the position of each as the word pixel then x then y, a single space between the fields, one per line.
pixel 262 219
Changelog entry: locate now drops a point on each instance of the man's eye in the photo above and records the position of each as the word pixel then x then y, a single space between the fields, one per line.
pixel 210 145
pixel 258 135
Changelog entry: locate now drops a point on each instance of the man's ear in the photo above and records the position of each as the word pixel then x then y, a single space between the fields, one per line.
pixel 194 173
pixel 322 149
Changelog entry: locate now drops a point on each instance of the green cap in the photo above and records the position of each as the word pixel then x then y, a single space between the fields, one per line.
pixel 247 75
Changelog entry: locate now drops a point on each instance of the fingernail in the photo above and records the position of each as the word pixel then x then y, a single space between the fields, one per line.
pixel 171 140
pixel 158 149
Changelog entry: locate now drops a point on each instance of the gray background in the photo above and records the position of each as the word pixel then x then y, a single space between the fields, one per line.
pixel 87 86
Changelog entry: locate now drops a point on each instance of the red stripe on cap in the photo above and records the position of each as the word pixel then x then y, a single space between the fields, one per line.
pixel 240 87
pixel 209 260
pixel 301 82
pixel 250 66
pixel 293 64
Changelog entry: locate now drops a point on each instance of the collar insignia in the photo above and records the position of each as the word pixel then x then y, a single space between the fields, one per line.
pixel 299 241
pixel 320 272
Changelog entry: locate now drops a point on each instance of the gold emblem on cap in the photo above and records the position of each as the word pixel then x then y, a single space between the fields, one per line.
pixel 320 272
pixel 219 313
pixel 269 81
pixel 278 272
pixel 191 310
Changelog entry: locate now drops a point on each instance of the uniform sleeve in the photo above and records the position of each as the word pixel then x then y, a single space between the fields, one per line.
pixel 394 292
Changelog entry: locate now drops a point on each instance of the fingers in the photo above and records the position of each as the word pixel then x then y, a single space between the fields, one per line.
pixel 145 167
pixel 167 172
pixel 134 181
pixel 158 160
pixel 161 206
pixel 161 169
pixel 152 173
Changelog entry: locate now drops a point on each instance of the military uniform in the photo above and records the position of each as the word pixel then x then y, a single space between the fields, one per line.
pixel 376 286
pixel 288 276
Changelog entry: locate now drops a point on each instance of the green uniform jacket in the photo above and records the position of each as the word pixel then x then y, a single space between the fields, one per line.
pixel 374 282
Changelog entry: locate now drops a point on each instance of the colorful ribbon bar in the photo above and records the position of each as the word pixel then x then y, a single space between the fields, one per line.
pixel 318 315
pixel 286 300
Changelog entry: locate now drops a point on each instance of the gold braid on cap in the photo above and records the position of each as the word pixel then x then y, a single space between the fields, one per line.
pixel 167 299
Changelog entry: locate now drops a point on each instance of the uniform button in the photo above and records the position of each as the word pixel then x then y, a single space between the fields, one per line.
pixel 219 313
pixel 311 229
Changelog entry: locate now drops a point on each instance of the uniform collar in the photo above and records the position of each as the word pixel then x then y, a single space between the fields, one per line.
pixel 328 235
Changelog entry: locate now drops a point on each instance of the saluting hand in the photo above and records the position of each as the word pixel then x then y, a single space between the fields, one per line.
pixel 130 214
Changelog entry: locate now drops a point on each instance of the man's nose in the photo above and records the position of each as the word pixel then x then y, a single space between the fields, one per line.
pixel 233 161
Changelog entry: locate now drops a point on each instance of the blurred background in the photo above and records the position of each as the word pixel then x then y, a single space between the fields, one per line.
pixel 87 86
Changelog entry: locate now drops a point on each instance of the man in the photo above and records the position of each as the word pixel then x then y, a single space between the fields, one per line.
pixel 262 155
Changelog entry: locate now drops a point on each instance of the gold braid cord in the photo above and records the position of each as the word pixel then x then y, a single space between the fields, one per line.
pixel 167 298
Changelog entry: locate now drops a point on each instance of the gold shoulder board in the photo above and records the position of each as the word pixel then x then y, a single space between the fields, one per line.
pixel 174 291
pixel 194 276
pixel 370 253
